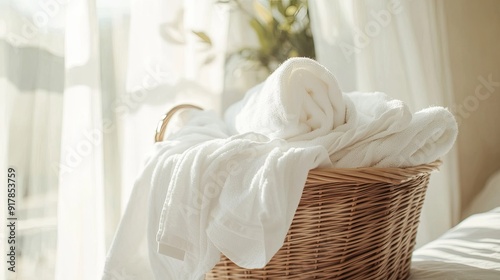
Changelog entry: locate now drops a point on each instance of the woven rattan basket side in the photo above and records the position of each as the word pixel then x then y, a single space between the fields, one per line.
pixel 350 224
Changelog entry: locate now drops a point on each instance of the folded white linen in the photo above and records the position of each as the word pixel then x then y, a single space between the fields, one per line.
pixel 301 103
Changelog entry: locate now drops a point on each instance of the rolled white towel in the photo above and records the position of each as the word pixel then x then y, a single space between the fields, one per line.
pixel 301 100
pixel 389 136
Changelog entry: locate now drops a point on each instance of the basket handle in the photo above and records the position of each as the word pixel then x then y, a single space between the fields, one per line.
pixel 162 124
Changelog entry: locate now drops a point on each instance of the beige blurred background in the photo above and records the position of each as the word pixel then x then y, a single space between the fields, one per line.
pixel 474 43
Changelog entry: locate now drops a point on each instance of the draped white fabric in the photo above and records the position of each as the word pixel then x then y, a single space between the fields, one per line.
pixel 83 83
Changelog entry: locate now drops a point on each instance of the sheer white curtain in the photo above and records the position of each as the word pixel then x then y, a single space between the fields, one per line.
pixel 80 242
pixel 31 85
pixel 398 47
pixel 84 83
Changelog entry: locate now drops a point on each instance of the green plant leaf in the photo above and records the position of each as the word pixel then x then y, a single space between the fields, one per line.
pixel 279 5
pixel 204 37
pixel 263 12
pixel 262 33
pixel 172 34
pixel 290 11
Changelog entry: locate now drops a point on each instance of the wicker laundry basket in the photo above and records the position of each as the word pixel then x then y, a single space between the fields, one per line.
pixel 351 223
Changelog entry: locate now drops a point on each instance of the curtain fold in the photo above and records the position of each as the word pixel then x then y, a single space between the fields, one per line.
pixel 80 242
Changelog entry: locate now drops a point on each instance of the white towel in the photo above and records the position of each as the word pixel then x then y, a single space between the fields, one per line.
pixel 301 100
pixel 234 195
pixel 133 253
pixel 390 136
pixel 302 103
